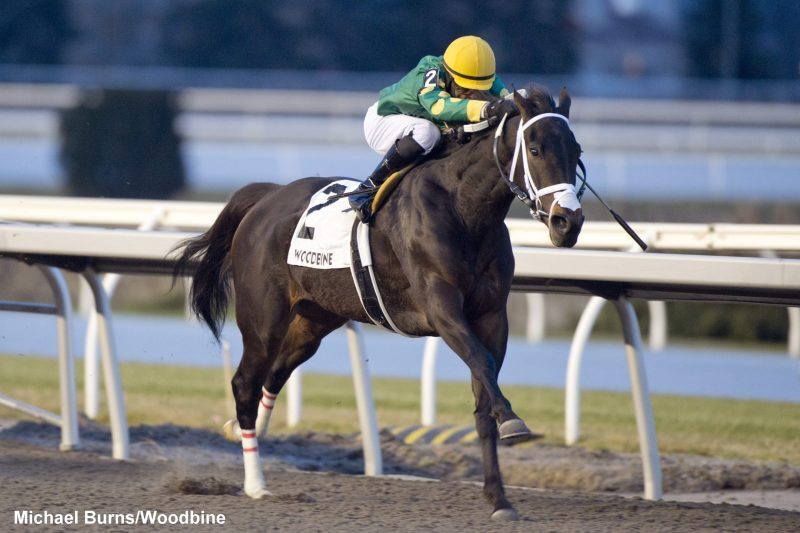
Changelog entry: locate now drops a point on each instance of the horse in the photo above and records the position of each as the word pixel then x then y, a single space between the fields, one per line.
pixel 441 252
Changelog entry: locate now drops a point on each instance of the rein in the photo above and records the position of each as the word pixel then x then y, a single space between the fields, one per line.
pixel 532 199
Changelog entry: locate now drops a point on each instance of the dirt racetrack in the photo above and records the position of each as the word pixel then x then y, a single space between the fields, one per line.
pixel 183 472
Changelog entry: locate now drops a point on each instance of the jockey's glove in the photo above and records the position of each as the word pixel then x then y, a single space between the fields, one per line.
pixel 498 108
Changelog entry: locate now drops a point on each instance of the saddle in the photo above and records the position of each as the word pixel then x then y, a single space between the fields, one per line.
pixel 461 134
pixel 328 235
pixel 387 187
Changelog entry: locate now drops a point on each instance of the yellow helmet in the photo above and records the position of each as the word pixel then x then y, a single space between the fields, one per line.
pixel 470 60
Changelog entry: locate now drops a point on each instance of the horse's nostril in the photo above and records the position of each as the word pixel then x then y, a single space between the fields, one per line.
pixel 560 224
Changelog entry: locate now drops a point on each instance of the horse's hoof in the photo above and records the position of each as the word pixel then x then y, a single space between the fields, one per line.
pixel 515 431
pixel 506 515
pixel 231 431
pixel 257 492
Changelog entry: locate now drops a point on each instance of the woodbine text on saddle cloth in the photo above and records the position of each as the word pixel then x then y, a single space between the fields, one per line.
pixel 321 238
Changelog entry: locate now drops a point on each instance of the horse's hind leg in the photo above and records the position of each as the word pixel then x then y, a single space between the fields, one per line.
pixel 254 366
pixel 301 342
pixel 263 314
pixel 247 384
pixel 258 384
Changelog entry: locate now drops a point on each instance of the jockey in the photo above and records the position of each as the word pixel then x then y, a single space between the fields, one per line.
pixel 407 120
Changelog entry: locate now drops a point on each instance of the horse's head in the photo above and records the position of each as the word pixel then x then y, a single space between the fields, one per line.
pixel 545 159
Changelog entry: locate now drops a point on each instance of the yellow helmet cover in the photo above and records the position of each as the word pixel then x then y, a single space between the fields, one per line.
pixel 470 61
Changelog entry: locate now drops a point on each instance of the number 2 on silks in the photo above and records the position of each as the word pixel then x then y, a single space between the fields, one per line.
pixel 431 76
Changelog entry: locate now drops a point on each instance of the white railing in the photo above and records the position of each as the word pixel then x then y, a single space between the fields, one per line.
pixel 615 274
pixel 761 239
pixel 62 309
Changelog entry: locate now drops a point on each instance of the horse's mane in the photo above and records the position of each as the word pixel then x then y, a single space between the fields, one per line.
pixel 538 99
pixel 541 100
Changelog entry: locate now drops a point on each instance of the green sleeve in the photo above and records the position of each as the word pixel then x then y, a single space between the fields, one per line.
pixel 499 88
pixel 444 108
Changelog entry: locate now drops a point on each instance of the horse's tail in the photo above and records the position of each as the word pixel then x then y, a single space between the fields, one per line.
pixel 207 258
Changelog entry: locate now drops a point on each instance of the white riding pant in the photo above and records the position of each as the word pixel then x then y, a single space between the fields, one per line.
pixel 382 132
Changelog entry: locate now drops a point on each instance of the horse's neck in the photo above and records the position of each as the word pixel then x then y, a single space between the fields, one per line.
pixel 480 195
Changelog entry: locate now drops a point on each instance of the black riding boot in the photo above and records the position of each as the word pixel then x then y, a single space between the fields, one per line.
pixel 404 152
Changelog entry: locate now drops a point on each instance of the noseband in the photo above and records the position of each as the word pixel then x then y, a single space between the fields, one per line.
pixel 565 194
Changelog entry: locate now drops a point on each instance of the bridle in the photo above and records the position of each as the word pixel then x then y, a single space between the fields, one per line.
pixel 565 194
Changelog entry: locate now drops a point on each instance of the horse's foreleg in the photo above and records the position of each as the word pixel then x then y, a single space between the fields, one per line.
pixel 448 319
pixel 487 433
pixel 493 332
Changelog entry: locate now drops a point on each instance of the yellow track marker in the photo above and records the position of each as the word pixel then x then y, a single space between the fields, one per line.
pixel 470 437
pixel 446 434
pixel 414 436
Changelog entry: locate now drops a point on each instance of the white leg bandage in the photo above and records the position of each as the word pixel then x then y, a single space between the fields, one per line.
pixel 264 412
pixel 255 485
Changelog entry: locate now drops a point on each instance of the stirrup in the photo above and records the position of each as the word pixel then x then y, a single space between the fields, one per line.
pixel 364 214
pixel 362 204
pixel 363 209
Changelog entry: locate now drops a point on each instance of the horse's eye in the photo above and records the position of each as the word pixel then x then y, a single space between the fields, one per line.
pixel 534 151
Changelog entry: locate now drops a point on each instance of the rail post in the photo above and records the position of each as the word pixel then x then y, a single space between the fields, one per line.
pixel 651 463
pixel 66 365
pixel 373 460
pixel 572 388
pixel 657 335
pixel 111 375
pixel 294 398
pixel 428 382
pixel 794 331
pixel 535 324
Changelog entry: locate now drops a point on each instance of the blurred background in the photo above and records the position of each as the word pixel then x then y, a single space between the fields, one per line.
pixel 687 110
pixel 674 100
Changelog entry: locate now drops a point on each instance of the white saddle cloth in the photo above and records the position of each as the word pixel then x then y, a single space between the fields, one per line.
pixel 321 238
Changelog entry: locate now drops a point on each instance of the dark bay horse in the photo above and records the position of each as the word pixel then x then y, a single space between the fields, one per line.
pixel 441 252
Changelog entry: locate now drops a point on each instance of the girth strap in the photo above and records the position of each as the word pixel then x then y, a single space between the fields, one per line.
pixel 364 278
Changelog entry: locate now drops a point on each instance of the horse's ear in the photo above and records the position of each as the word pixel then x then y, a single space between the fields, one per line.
pixel 564 101
pixel 524 106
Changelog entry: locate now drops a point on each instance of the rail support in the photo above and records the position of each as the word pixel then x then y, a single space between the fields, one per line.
pixel 365 403
pixel 535 324
pixel 640 392
pixel 651 463
pixel 66 364
pixel 373 460
pixel 294 398
pixel 794 331
pixel 111 375
pixel 657 336
pixel 62 309
pixel 428 382
pixel 572 388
